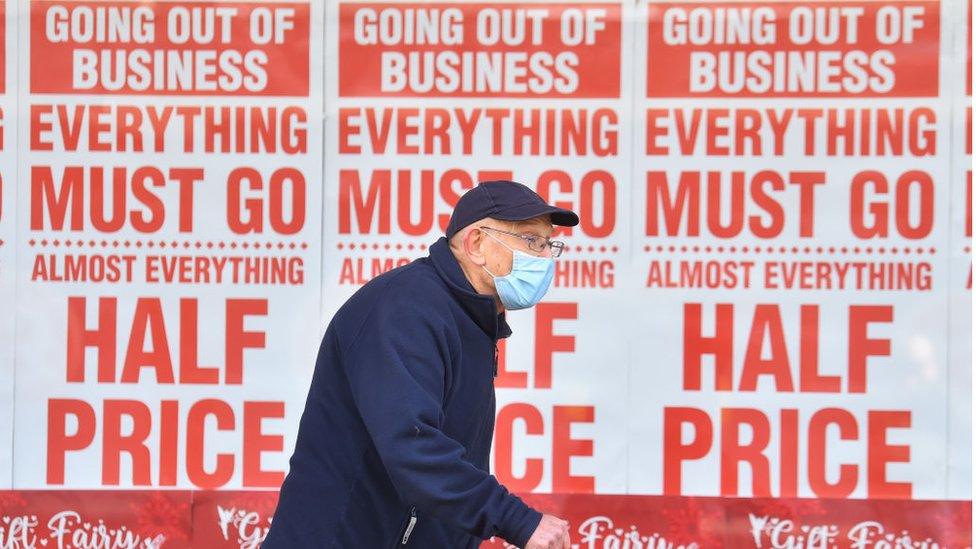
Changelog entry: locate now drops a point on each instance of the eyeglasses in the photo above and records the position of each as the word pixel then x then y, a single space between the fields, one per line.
pixel 536 243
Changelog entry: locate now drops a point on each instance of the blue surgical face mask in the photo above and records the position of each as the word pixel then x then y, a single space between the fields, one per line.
pixel 528 281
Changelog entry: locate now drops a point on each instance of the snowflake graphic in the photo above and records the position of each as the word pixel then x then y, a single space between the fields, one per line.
pixel 163 515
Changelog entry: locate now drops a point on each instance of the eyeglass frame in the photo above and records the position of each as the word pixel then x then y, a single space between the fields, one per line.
pixel 556 246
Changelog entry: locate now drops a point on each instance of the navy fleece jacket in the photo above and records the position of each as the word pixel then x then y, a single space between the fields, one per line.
pixel 393 444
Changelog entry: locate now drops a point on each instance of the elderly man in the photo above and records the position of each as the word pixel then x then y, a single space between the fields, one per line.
pixel 393 444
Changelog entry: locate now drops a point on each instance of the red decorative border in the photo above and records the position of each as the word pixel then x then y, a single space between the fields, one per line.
pixel 216 519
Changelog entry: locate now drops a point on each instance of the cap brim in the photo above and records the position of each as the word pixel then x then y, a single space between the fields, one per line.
pixel 558 216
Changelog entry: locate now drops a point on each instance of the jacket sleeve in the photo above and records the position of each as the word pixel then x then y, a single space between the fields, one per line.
pixel 396 366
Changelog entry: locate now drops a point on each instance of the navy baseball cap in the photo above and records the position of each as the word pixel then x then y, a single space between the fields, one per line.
pixel 507 201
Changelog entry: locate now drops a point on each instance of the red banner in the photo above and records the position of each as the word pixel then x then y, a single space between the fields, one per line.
pixel 793 49
pixel 598 521
pixel 58 518
pixel 216 519
pixel 479 50
pixel 170 48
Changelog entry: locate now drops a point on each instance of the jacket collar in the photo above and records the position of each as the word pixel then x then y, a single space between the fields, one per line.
pixel 481 308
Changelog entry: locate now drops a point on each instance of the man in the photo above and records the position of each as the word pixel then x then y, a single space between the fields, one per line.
pixel 393 444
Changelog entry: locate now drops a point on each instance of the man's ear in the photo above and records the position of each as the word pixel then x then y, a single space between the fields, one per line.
pixel 474 246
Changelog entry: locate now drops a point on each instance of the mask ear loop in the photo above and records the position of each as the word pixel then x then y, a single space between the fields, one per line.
pixel 493 275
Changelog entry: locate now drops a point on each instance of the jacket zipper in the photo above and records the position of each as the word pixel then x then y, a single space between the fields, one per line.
pixel 410 525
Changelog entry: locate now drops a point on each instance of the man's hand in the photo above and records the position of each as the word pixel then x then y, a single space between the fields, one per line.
pixel 552 533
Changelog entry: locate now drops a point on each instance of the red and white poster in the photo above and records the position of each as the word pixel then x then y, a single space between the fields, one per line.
pixel 960 474
pixel 797 251
pixel 8 231
pixel 759 335
pixel 417 114
pixel 168 228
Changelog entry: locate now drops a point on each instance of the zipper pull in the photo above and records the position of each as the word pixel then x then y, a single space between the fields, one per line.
pixel 496 360
pixel 410 525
